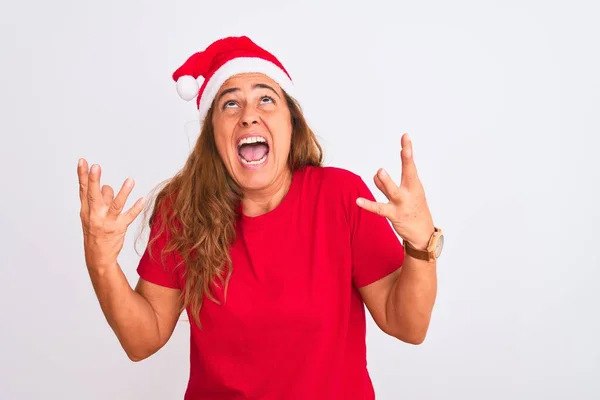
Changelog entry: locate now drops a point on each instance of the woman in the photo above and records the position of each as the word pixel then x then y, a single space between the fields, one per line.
pixel 272 255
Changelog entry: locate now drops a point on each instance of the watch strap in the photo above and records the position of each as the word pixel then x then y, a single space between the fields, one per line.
pixel 427 254
pixel 418 254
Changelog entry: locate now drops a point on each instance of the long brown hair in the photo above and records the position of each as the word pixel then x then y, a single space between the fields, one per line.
pixel 198 208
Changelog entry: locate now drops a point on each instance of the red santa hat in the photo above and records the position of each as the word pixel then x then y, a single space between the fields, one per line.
pixel 202 75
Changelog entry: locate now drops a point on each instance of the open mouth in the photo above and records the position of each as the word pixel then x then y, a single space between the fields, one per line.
pixel 253 150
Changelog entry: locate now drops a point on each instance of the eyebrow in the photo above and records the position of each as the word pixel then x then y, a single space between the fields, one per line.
pixel 256 86
pixel 264 86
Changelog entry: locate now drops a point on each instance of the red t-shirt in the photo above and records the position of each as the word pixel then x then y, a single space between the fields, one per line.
pixel 293 326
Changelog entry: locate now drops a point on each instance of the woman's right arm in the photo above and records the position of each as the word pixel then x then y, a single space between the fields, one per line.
pixel 142 319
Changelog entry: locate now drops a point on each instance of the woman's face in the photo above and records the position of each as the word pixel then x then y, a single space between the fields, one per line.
pixel 253 130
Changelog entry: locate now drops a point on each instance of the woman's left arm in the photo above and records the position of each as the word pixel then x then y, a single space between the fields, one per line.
pixel 402 302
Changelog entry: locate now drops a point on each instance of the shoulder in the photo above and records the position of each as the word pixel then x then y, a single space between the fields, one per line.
pixel 332 177
pixel 334 187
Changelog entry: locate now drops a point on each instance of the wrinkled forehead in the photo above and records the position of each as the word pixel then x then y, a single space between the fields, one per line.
pixel 250 81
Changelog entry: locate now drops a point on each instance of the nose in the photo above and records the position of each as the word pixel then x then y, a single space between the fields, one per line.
pixel 249 117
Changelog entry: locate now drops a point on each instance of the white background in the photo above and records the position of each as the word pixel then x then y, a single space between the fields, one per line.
pixel 500 98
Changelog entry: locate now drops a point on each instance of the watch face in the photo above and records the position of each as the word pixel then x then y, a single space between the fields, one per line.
pixel 439 246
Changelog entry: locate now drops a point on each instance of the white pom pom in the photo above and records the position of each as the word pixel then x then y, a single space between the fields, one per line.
pixel 187 87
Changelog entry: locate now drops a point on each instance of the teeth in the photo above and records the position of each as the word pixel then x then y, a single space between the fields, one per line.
pixel 252 139
pixel 262 160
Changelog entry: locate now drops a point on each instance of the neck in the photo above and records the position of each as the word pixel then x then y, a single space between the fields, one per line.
pixel 262 201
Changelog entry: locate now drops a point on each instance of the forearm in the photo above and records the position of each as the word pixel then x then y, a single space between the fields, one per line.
pixel 410 301
pixel 128 313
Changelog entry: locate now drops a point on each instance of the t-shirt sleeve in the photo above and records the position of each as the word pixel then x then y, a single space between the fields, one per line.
pixel 376 248
pixel 155 267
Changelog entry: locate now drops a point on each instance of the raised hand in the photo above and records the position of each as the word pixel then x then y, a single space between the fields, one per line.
pixel 407 209
pixel 104 226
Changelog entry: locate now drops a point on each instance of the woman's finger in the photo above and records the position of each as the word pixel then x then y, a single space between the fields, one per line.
pixel 384 210
pixel 117 205
pixel 384 182
pixel 409 169
pixel 82 174
pixel 379 185
pixel 107 194
pixel 133 212
pixel 94 194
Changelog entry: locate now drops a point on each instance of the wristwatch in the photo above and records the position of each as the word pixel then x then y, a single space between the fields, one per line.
pixel 434 247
